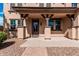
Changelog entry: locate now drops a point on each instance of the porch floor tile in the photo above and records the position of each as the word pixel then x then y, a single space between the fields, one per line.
pixel 53 42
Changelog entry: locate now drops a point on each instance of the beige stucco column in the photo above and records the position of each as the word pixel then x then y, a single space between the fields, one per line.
pixel 77 19
pixel 73 33
pixel 77 33
pixel 25 27
pixel 20 29
pixel 47 29
pixel 73 29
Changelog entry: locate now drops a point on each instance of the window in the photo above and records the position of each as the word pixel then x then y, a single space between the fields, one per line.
pixel 55 24
pixel 48 4
pixel 13 24
pixel 74 4
pixel 20 23
pixel 19 4
pixel 41 4
pixel 51 24
pixel 11 5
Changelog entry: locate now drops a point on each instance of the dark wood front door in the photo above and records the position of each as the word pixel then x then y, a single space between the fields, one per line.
pixel 35 26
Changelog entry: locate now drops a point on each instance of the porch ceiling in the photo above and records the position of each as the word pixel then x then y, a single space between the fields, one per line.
pixel 42 10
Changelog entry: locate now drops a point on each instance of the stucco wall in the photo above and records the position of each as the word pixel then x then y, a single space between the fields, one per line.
pixel 60 5
pixel 8 16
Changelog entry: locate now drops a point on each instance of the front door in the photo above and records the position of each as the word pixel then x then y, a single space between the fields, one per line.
pixel 35 26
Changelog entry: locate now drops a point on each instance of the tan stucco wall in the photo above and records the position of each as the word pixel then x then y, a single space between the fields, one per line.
pixel 60 5
pixel 76 25
pixel 8 16
pixel 77 33
pixel 20 33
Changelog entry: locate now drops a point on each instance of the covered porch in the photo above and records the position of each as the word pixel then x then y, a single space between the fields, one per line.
pixel 50 22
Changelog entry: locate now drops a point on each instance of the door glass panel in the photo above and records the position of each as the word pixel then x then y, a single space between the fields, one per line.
pixel 35 26
pixel 57 23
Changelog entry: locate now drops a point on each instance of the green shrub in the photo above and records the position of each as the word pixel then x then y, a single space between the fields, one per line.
pixel 3 36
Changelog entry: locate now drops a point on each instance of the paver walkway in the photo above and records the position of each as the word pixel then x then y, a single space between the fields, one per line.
pixel 35 52
pixel 51 51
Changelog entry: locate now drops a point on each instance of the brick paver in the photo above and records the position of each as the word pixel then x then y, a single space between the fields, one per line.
pixel 35 52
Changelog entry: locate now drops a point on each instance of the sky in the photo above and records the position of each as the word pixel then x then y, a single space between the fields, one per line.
pixel 1 14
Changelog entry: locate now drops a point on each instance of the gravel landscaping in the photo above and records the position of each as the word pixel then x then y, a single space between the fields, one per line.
pixel 11 47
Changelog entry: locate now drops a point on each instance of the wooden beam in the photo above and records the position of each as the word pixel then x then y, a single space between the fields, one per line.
pixel 43 15
pixel 24 15
pixel 51 16
pixel 70 16
pixel 47 15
